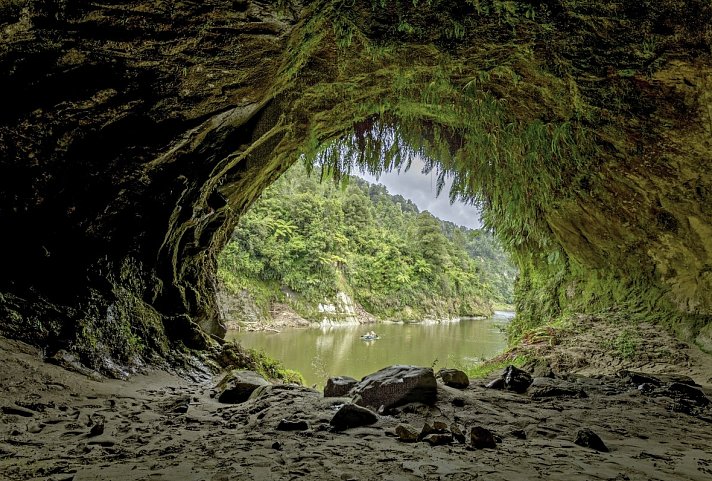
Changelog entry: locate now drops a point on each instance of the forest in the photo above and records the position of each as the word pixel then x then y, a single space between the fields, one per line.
pixel 306 239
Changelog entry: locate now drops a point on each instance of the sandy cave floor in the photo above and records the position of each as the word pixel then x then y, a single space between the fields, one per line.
pixel 51 429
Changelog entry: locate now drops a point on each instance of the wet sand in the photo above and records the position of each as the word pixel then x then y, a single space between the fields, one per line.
pixel 60 425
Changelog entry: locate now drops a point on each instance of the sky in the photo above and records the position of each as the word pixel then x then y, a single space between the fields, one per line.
pixel 420 188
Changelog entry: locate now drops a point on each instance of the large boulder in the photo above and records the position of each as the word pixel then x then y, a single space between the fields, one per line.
pixel 237 386
pixel 339 386
pixel 396 385
pixel 454 378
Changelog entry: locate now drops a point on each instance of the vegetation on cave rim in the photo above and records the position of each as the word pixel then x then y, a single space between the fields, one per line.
pixel 315 239
pixel 472 94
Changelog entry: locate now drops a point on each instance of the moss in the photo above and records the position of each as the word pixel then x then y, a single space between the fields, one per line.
pixel 233 355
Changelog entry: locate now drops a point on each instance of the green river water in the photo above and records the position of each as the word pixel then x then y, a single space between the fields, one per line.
pixel 321 352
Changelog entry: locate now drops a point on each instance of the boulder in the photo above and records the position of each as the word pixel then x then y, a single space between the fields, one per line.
pixel 352 416
pixel 237 386
pixel 589 439
pixel 481 438
pixel 454 378
pixel 339 386
pixel 396 385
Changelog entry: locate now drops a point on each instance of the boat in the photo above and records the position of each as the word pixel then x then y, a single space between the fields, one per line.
pixel 370 336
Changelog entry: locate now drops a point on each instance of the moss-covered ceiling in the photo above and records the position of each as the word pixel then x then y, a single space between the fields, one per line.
pixel 134 133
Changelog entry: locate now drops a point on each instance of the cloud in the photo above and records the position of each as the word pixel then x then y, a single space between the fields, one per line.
pixel 421 189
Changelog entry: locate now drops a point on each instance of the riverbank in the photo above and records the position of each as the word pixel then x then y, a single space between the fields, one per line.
pixel 60 425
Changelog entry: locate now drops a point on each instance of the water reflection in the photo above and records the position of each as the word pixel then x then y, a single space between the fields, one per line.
pixel 339 350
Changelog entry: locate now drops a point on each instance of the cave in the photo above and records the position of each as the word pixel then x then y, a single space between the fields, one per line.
pixel 134 134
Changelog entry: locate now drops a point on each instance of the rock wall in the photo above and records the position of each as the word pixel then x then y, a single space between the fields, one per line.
pixel 134 133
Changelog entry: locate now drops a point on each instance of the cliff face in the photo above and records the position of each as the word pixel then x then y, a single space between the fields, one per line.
pixel 134 133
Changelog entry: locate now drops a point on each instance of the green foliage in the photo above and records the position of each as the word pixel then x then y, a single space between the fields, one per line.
pixel 625 344
pixel 315 239
pixel 477 370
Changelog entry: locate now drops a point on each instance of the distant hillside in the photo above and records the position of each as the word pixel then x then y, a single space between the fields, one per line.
pixel 325 250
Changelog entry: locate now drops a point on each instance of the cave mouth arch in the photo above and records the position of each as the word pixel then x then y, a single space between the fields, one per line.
pixel 587 146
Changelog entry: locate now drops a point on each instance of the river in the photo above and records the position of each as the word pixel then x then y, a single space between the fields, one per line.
pixel 321 352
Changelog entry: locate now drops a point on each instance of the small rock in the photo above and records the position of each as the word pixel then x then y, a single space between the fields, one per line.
pixel 454 378
pixel 519 434
pixel 237 386
pixel 440 426
pixel 657 379
pixel 406 433
pixel 426 430
pixel 277 446
pixel 481 438
pixel 339 386
pixel 397 385
pixel 352 416
pixel 589 439
pixel 458 402
pixel 680 390
pixel 438 439
pixel 97 429
pixel 292 425
pixel 516 379
pixel 179 406
pixel 457 433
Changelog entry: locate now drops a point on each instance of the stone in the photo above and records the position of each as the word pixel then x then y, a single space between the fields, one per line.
pixel 396 385
pixel 237 386
pixel 481 438
pixel 438 439
pixel 458 402
pixel 292 425
pixel 339 386
pixel 406 433
pixel 97 429
pixel 426 430
pixel 657 379
pixel 516 379
pixel 454 378
pixel 543 387
pixel 457 433
pixel 179 406
pixel 589 439
pixel 518 433
pixel 352 416
pixel 440 426
pixel 685 391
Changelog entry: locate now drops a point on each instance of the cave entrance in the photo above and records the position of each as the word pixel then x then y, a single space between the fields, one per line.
pixel 315 265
